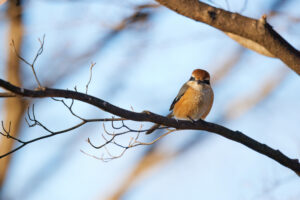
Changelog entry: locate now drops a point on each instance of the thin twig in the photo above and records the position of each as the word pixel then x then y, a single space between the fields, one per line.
pixel 236 136
pixel 39 52
pixel 160 137
pixel 32 121
pixel 90 79
pixel 134 141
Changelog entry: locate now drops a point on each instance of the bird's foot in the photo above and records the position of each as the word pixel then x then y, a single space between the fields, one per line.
pixel 193 121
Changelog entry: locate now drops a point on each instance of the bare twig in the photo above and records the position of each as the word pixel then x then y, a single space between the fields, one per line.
pixel 155 140
pixel 90 79
pixel 127 130
pixel 133 142
pixel 39 52
pixel 32 122
pixel 237 136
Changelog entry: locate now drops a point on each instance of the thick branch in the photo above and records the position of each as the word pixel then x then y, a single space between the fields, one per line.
pixel 257 35
pixel 237 136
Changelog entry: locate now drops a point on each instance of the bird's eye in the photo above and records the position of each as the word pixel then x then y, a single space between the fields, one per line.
pixel 192 78
pixel 206 81
pixel 203 82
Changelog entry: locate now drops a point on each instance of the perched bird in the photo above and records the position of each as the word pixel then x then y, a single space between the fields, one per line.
pixel 194 100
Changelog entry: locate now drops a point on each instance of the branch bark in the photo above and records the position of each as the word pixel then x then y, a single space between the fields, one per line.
pixel 254 34
pixel 147 116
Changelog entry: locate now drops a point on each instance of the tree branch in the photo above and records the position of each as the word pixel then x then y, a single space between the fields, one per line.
pixel 237 136
pixel 32 122
pixel 254 34
pixel 13 108
pixel 7 94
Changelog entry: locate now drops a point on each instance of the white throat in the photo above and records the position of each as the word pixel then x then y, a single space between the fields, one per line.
pixel 195 85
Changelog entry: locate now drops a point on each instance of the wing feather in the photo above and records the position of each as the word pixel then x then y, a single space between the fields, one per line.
pixel 179 95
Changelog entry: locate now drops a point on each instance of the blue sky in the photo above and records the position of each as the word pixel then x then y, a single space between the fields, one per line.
pixel 144 68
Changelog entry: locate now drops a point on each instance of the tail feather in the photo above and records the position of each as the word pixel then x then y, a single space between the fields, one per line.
pixel 156 126
pixel 153 128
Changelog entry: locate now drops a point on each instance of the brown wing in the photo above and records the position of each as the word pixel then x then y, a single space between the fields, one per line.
pixel 211 94
pixel 179 95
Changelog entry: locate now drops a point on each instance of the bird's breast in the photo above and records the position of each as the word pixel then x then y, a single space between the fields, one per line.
pixel 194 104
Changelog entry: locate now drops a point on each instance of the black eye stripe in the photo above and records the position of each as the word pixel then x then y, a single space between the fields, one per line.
pixel 206 81
pixel 192 78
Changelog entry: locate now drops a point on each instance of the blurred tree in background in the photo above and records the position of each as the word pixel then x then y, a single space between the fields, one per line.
pixel 143 52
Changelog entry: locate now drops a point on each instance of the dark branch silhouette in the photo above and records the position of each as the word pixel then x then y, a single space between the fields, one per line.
pixel 147 116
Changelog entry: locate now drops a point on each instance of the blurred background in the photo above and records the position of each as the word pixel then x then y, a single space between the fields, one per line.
pixel 143 54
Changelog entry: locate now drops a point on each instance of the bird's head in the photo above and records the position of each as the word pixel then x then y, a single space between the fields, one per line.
pixel 200 76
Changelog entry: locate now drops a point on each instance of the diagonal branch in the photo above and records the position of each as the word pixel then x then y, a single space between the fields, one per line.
pixel 254 34
pixel 237 136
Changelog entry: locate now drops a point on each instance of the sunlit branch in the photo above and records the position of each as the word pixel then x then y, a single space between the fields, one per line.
pixel 256 35
pixel 90 78
pixel 237 136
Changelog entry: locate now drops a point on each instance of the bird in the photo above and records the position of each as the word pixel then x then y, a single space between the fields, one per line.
pixel 193 101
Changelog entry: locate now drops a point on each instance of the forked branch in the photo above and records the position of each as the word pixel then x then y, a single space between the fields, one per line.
pixel 122 130
pixel 237 136
pixel 32 121
pixel 32 64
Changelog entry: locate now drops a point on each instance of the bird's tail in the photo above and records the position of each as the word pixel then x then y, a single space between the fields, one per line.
pixel 156 126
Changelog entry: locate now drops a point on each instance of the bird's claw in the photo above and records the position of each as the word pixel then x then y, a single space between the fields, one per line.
pixel 193 121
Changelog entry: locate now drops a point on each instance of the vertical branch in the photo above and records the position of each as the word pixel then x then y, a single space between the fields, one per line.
pixel 13 107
